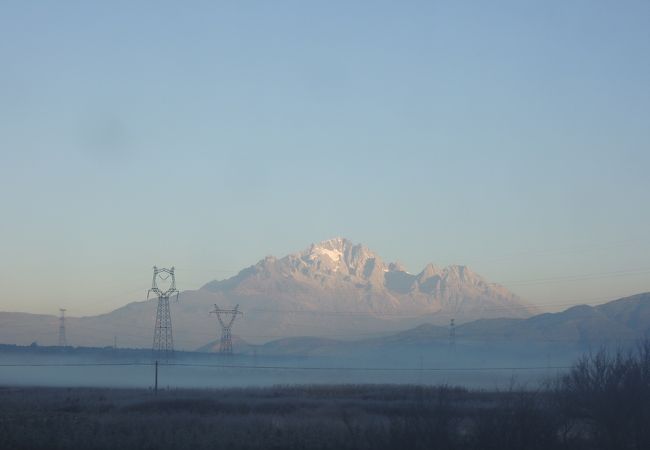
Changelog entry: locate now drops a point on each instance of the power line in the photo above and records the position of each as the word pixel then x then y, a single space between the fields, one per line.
pixel 580 302
pixel 298 368
pixel 279 336
pixel 339 312
pixel 511 283
pixel 73 364
pixel 429 313
pixel 371 369
pixel 527 282
pixel 587 276
pixel 586 248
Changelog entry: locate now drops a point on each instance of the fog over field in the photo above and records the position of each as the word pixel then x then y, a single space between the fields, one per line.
pixel 206 371
pixel 487 353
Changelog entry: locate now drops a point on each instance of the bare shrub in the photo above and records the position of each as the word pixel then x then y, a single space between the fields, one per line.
pixel 609 392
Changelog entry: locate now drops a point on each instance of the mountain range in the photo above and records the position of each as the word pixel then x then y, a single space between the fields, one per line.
pixel 337 275
pixel 334 289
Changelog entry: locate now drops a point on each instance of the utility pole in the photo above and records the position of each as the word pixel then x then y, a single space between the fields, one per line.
pixel 452 335
pixel 226 318
pixel 163 340
pixel 63 342
pixel 155 386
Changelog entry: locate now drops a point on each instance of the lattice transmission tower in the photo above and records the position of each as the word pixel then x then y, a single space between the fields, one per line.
pixel 163 340
pixel 63 342
pixel 452 325
pixel 452 334
pixel 226 318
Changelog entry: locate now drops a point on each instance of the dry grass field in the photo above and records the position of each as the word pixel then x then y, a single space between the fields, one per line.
pixel 603 403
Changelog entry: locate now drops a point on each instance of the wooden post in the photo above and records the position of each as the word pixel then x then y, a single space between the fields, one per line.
pixel 155 387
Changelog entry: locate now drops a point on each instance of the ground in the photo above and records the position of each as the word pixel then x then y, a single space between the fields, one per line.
pixel 305 417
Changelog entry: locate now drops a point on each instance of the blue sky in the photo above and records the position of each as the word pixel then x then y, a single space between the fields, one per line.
pixel 509 136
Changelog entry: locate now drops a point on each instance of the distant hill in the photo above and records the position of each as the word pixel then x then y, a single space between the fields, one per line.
pixel 619 322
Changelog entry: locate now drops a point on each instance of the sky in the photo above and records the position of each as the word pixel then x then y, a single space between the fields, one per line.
pixel 513 137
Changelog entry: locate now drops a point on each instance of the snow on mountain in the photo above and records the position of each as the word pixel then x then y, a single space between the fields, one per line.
pixel 338 275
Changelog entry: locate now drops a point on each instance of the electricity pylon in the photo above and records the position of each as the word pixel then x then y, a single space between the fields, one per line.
pixel 452 334
pixel 226 318
pixel 63 342
pixel 163 340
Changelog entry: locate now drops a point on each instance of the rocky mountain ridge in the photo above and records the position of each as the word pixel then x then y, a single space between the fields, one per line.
pixel 364 282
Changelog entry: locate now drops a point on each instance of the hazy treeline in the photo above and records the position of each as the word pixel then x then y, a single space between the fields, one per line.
pixel 602 403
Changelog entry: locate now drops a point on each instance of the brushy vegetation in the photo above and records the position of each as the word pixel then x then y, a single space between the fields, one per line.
pixel 602 403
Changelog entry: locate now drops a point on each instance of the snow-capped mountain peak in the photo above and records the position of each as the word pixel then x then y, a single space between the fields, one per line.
pixel 337 274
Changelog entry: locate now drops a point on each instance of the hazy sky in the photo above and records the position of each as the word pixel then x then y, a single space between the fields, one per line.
pixel 513 137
